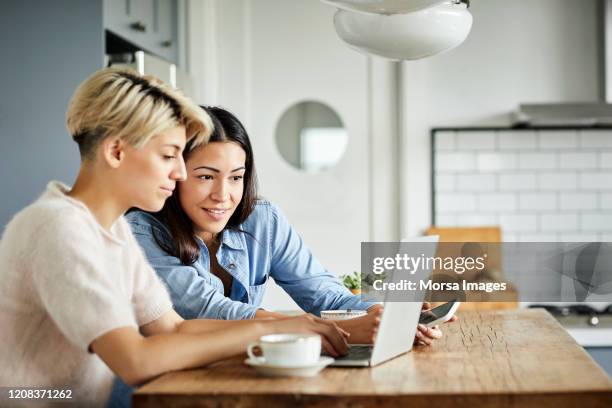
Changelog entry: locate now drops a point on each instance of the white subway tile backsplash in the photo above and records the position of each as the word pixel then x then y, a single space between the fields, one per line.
pixel 558 139
pixel 596 222
pixel 557 181
pixel 446 220
pixel 516 182
pixel 537 237
pixel 473 220
pixel 497 202
pixel 475 140
pixel 605 201
pixel 596 180
pixel 496 161
pixel 574 160
pixel 445 140
pixel 516 140
pixel 578 201
pixel 538 201
pixel 596 138
pixel 537 161
pixel 518 222
pixel 559 222
pixel 510 237
pixel 475 182
pixel 455 161
pixel 455 202
pixel 605 160
pixel 539 186
pixel 445 182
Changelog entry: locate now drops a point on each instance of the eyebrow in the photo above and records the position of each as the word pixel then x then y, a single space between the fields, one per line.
pixel 177 147
pixel 217 170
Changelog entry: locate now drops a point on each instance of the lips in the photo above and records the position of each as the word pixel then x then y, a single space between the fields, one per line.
pixel 216 214
pixel 168 190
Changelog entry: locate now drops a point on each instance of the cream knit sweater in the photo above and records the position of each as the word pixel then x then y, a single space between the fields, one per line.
pixel 64 281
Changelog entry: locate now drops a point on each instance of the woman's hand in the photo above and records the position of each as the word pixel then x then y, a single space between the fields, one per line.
pixel 426 335
pixel 333 338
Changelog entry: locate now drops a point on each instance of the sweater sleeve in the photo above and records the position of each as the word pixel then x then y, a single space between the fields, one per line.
pixel 150 299
pixel 75 288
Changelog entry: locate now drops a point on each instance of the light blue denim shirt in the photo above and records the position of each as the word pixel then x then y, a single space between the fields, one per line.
pixel 270 248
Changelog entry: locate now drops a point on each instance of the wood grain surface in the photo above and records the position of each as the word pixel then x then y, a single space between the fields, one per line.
pixel 511 358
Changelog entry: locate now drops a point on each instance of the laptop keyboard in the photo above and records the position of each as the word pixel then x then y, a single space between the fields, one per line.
pixel 357 353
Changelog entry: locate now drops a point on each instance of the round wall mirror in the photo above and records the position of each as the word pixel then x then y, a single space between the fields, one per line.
pixel 310 136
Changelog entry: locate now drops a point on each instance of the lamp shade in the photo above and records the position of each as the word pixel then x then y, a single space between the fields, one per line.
pixel 405 36
pixel 384 6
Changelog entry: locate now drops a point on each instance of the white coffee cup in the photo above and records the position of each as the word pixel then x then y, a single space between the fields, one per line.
pixel 342 314
pixel 289 350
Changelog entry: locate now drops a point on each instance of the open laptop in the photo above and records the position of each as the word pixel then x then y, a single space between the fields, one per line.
pixel 398 326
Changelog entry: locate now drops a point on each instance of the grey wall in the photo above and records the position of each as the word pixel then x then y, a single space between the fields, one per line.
pixel 46 49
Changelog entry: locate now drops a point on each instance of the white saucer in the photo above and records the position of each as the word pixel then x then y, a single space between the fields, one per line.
pixel 285 371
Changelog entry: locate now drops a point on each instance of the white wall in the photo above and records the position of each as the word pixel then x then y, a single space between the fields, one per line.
pixel 264 56
pixel 258 56
pixel 518 51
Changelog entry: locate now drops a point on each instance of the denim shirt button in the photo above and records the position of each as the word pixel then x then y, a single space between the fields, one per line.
pixel 232 265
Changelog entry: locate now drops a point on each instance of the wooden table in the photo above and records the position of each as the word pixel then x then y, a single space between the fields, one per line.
pixel 518 358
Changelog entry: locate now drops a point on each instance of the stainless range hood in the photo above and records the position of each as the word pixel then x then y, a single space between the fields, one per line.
pixel 564 114
pixel 579 114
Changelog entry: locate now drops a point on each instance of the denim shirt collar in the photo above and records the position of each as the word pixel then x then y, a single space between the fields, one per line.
pixel 232 239
pixel 229 238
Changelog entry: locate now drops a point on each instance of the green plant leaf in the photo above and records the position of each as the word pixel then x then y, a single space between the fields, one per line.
pixel 352 281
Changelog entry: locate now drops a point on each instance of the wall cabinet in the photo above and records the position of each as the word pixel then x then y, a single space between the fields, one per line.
pixel 147 24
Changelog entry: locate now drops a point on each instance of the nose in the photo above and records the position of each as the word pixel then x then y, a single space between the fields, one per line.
pixel 220 191
pixel 179 172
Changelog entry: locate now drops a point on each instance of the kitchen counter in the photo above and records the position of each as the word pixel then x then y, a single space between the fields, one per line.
pixel 521 358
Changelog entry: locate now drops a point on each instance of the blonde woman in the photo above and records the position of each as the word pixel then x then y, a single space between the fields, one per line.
pixel 78 300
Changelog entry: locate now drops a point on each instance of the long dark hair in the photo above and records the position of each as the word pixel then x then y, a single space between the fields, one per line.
pixel 183 243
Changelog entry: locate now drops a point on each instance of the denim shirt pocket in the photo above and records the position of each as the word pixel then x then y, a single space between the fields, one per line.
pixel 256 292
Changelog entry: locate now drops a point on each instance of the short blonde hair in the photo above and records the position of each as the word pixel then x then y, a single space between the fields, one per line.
pixel 122 103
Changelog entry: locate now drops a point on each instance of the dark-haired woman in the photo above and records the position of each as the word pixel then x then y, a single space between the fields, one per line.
pixel 215 244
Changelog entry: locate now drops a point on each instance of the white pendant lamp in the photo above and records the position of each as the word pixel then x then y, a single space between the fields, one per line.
pixel 384 6
pixel 407 36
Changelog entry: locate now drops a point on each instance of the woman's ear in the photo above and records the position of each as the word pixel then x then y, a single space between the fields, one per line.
pixel 113 151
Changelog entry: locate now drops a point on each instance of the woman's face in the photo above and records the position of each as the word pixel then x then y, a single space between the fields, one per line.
pixel 214 186
pixel 154 169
